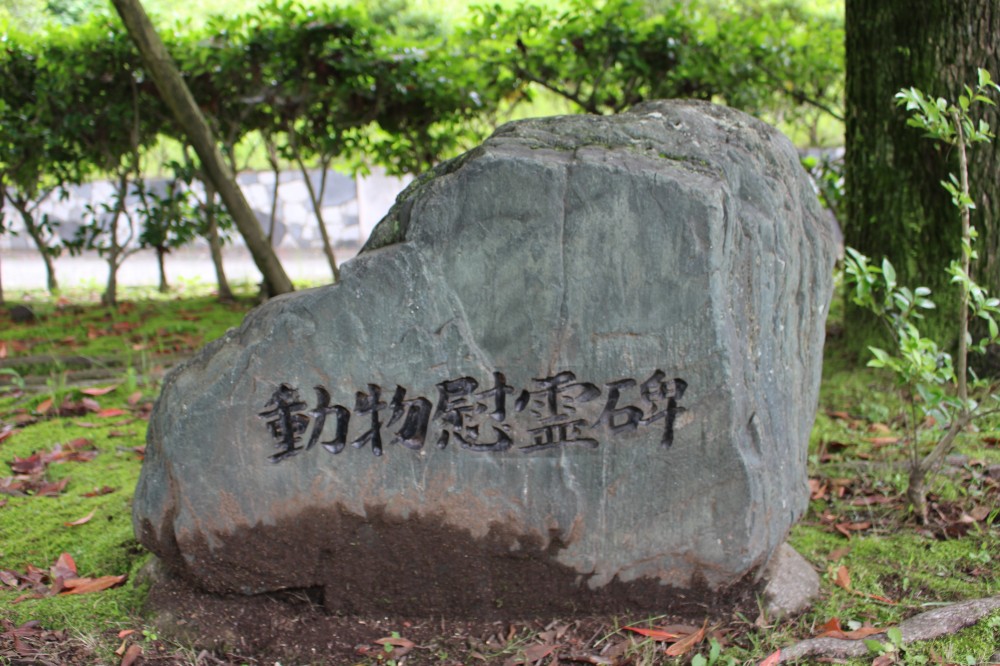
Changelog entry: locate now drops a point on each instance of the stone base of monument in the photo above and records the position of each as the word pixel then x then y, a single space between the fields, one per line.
pixel 293 625
pixel 384 563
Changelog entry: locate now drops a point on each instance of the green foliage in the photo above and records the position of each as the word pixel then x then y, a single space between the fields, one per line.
pixel 763 57
pixel 936 390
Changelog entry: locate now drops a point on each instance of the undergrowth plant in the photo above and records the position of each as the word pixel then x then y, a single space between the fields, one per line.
pixel 943 395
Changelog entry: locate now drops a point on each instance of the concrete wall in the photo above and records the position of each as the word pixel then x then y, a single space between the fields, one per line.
pixel 351 208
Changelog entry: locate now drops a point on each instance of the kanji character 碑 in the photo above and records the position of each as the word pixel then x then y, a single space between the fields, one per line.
pixel 657 389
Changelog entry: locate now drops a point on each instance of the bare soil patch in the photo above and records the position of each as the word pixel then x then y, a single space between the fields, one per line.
pixel 294 627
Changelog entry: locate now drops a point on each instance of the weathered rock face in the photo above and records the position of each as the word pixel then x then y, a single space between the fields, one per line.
pixel 578 365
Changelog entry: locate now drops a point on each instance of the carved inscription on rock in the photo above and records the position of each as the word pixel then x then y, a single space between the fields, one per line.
pixel 554 412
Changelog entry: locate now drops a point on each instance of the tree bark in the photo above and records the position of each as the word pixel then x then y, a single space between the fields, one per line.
pixel 177 96
pixel 895 204
pixel 317 203
pixel 215 246
pixel 115 247
pixel 35 232
pixel 161 254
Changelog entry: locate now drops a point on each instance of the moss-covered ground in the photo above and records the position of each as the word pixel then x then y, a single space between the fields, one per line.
pixel 878 564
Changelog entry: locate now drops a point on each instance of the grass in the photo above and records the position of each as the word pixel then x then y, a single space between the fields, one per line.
pixel 856 522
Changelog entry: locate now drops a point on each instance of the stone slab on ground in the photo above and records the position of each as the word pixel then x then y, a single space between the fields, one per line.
pixel 791 583
pixel 575 367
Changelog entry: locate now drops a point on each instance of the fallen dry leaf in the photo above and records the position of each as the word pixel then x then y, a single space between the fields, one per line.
pixel 99 390
pixel 686 644
pixel 44 406
pixel 33 464
pixel 52 489
pixel 878 597
pixel 655 634
pixel 97 492
pixel 106 413
pixel 868 500
pixel 772 660
pixel 839 553
pixel 832 629
pixel 847 528
pixel 88 585
pixel 80 521
pixel 133 652
pixel 24 419
pixel 531 655
pixel 843 578
pixel 397 642
pixel 980 512
pixel 65 567
pixel 884 660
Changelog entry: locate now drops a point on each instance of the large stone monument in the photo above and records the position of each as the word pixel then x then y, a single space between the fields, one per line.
pixel 574 368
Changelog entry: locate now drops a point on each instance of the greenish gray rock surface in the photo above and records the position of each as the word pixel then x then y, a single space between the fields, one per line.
pixel 575 366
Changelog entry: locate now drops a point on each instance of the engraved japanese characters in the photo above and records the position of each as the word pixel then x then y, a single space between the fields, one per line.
pixel 555 404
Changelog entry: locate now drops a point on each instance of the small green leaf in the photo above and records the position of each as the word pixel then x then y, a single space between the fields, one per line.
pixel 889 272
pixel 874 646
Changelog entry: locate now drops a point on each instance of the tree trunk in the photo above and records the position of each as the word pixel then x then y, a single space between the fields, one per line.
pixel 110 295
pixel 272 158
pixel 215 245
pixel 36 237
pixel 895 204
pixel 183 107
pixel 317 204
pixel 115 247
pixel 161 254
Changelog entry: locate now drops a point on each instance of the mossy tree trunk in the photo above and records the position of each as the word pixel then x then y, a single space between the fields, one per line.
pixel 895 205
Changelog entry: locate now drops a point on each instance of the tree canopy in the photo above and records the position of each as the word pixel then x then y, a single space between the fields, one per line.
pixel 359 85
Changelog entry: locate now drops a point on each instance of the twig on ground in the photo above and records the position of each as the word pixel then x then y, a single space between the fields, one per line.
pixel 922 627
